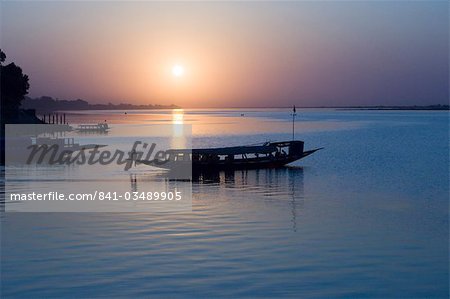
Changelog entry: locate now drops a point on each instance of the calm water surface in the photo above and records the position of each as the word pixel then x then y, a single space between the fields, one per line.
pixel 365 217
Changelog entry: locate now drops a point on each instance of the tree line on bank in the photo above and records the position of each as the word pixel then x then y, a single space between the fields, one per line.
pixel 48 104
pixel 14 86
pixel 16 107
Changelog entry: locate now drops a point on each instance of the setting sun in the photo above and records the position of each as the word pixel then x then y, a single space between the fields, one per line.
pixel 178 70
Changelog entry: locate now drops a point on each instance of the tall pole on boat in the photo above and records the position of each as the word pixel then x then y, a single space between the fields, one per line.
pixel 293 123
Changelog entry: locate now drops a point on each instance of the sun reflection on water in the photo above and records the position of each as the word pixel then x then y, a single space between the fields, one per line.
pixel 179 134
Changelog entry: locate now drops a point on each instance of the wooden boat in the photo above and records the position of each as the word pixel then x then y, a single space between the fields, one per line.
pixel 100 127
pixel 267 155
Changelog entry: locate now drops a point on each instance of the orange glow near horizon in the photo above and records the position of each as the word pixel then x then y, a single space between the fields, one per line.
pixel 231 54
pixel 188 81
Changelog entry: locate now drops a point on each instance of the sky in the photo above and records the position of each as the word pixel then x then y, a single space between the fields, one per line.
pixel 232 54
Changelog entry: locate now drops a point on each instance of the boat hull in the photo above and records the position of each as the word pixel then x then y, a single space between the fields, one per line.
pixel 253 163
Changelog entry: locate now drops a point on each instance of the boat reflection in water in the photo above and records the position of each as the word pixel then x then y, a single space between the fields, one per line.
pixel 283 186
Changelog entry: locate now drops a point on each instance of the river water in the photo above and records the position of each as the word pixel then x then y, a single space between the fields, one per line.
pixel 367 216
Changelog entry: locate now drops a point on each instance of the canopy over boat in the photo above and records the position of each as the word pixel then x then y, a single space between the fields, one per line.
pixel 240 150
pixel 235 150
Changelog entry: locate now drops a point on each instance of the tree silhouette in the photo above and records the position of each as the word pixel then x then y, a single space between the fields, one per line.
pixel 14 86
pixel 2 56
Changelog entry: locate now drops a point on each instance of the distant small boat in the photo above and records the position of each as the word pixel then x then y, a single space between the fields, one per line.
pixel 267 155
pixel 100 127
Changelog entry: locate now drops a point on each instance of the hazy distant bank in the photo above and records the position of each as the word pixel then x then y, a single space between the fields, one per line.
pixel 49 104
pixel 405 108
pixel 429 107
pixel 415 107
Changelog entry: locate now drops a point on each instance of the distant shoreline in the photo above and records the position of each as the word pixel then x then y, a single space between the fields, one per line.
pixel 346 108
pixel 394 108
pixel 349 108
pixel 48 105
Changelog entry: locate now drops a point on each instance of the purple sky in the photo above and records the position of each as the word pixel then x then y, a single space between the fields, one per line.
pixel 238 54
